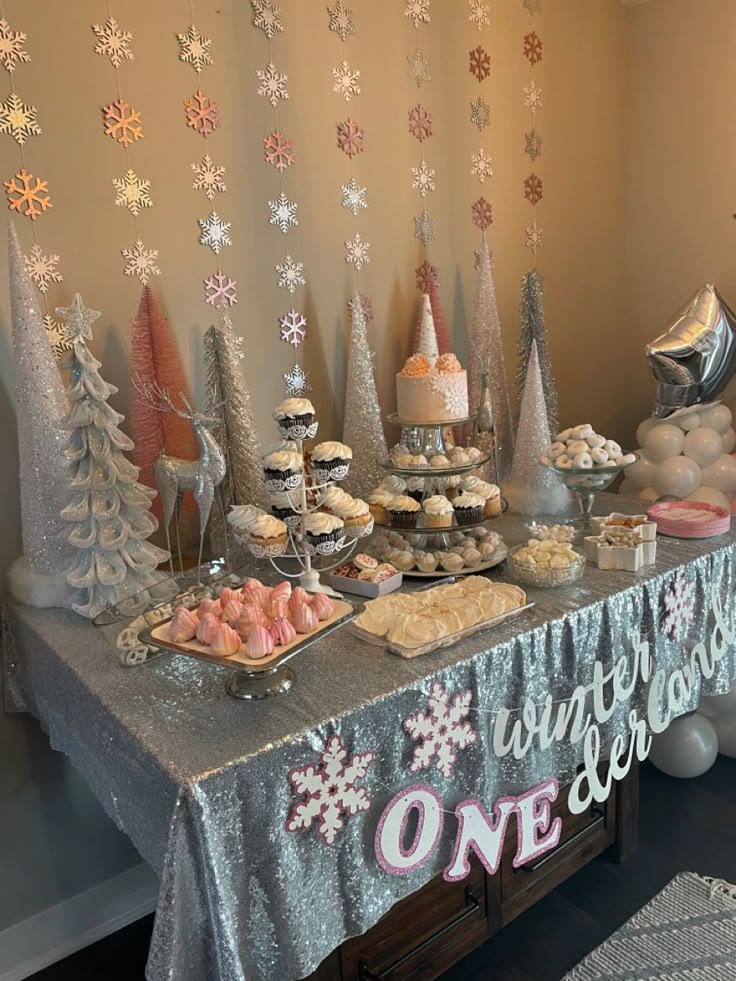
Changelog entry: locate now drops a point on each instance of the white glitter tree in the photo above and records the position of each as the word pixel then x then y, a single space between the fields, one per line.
pixel 427 334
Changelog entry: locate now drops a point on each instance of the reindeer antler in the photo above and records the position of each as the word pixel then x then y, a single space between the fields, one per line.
pixel 158 398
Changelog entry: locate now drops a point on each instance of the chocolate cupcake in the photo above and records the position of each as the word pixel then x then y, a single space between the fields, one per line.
pixel 324 533
pixel 404 512
pixel 283 470
pixel 331 460
pixel 295 418
pixel 282 507
pixel 468 508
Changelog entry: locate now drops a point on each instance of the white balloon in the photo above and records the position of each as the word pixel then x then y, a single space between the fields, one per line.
pixel 678 476
pixel 628 488
pixel 702 445
pixel 643 430
pixel 687 748
pixel 689 422
pixel 648 494
pixel 664 441
pixel 719 706
pixel 641 473
pixel 726 732
pixel 719 417
pixel 709 495
pixel 729 441
pixel 721 474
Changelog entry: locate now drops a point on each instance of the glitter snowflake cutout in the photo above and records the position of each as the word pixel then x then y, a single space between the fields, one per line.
pixel 29 196
pixel 480 113
pixel 297 381
pixel 418 67
pixel 330 790
pixel 366 305
pixel 208 177
pixel 356 252
pixel 417 11
pixel 113 42
pixel 420 123
pixel 533 6
pixel 58 340
pixel 290 274
pixel 353 196
pixel 214 232
pixel 441 731
pixel 479 63
pixel 123 123
pixel 195 49
pixel 141 262
pixel 346 81
pixel 427 276
pixel 533 97
pixel 267 17
pixel 425 228
pixel 679 606
pixel 273 84
pixel 478 13
pixel 132 192
pixel 423 179
pixel 533 189
pixel 219 288
pixel 11 47
pixel 533 144
pixel 350 138
pixel 203 114
pixel 482 165
pixel 533 237
pixel 293 328
pixel 482 213
pixel 278 150
pixel 341 20
pixel 42 268
pixel 283 213
pixel 18 120
pixel 533 48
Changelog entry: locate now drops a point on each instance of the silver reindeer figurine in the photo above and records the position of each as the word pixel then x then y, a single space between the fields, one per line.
pixel 174 476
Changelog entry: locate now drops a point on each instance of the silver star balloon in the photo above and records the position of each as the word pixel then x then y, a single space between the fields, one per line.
pixel 78 319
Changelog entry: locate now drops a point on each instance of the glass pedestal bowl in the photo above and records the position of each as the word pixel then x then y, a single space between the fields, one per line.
pixel 585 484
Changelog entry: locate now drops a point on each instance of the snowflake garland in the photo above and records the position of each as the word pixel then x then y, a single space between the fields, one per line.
pixel 203 114
pixel 267 17
pixel 425 228
pixel 293 328
pixel 42 268
pixel 278 150
pixel 679 606
pixel 122 123
pixel 290 274
pixel 273 84
pixel 533 144
pixel 533 48
pixel 350 138
pixel 441 731
pixel 533 6
pixel 479 63
pixel 478 13
pixel 219 288
pixel 427 276
pixel 32 194
pixel 417 11
pixel 533 97
pixel 418 68
pixel 297 382
pixel 366 305
pixel 423 179
pixel 353 196
pixel 141 262
pixel 58 340
pixel 18 120
pixel 12 52
pixel 113 42
pixel 534 237
pixel 208 177
pixel 346 81
pixel 420 123
pixel 341 20
pixel 330 790
pixel 482 165
pixel 214 232
pixel 356 251
pixel 132 192
pixel 283 213
pixel 533 189
pixel 482 213
pixel 480 113
pixel 195 49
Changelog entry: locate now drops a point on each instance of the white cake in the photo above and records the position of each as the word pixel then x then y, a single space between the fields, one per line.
pixel 425 394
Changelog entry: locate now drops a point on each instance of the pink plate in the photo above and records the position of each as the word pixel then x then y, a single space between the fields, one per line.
pixel 689 519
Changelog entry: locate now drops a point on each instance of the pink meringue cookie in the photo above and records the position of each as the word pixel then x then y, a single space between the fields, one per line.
pixel 261 597
pixel 231 612
pixel 305 619
pixel 322 606
pixel 298 597
pixel 209 606
pixel 260 643
pixel 283 631
pixel 227 594
pixel 249 585
pixel 251 616
pixel 206 629
pixel 282 591
pixel 225 641
pixel 278 608
pixel 183 626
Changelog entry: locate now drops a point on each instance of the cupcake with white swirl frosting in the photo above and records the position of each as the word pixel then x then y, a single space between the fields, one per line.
pixel 354 512
pixel 331 460
pixel 269 533
pixel 321 528
pixel 283 469
pixel 295 418
pixel 438 511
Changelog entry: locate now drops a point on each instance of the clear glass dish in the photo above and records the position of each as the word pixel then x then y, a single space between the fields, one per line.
pixel 585 484
pixel 545 578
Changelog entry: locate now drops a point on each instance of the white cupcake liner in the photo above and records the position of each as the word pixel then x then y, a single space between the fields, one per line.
pixel 324 548
pixel 296 430
pixel 333 474
pixel 266 551
pixel 276 485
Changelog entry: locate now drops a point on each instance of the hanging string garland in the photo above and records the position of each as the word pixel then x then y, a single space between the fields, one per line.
pixel 533 185
pixel 481 164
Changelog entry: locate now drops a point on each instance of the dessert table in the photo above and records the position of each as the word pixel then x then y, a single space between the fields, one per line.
pixel 199 781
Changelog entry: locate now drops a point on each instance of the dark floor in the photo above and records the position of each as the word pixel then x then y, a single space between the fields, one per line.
pixel 685 826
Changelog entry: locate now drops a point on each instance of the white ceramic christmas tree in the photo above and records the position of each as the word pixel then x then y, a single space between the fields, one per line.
pixel 428 335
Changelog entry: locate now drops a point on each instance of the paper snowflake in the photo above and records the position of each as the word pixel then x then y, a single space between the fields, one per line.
pixel 417 11
pixel 423 179
pixel 283 213
pixel 353 196
pixel 278 150
pixel 203 114
pixel 418 66
pixel 346 81
pixel 58 341
pixel 479 63
pixel 293 328
pixel 420 123
pixel 533 144
pixel 208 177
pixel 77 319
pixel 533 188
pixel 480 113
pixel 141 262
pixel 298 382
pixel 425 228
pixel 533 237
pixel 427 276
pixel 533 6
pixel 267 17
pixel 195 49
pixel 18 120
pixel 441 731
pixel 11 47
pixel 113 42
pixel 679 606
pixel 29 196
pixel 42 268
pixel 366 305
pixel 273 84
pixel 290 274
pixel 330 790
pixel 478 13
pixel 350 138
pixel 219 288
pixel 341 20
pixel 532 97
pixel 132 192
pixel 214 232
pixel 123 123
pixel 356 252
pixel 482 165
pixel 482 213
pixel 533 48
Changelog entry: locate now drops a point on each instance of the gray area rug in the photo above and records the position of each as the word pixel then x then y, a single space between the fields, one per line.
pixel 686 933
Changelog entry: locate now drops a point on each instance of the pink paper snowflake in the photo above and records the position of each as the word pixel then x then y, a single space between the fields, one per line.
pixel 441 732
pixel 533 47
pixel 278 150
pixel 482 213
pixel 367 305
pixel 330 790
pixel 203 114
pixel 533 187
pixel 219 288
pixel 350 138
pixel 480 63
pixel 679 606
pixel 427 276
pixel 420 123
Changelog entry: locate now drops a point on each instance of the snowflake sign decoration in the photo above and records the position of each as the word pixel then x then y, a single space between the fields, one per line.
pixel 219 288
pixel 356 251
pixel 482 213
pixel 480 113
pixel 533 48
pixel 533 188
pixel 113 42
pixel 478 13
pixel 417 11
pixel 441 732
pixel 141 262
pixel 341 20
pixel 273 84
pixel 482 165
pixel 267 17
pixel 122 123
pixel 479 63
pixel 195 49
pixel 208 177
pixel 350 138
pixel 425 228
pixel 214 232
pixel 132 192
pixel 297 381
pixel 42 268
pixel 12 52
pixel 27 197
pixel 420 123
pixel 278 150
pixel 423 179
pixel 679 606
pixel 353 196
pixel 330 790
pixel 293 328
pixel 290 274
pixel 283 213
pixel 18 120
pixel 346 81
pixel 203 114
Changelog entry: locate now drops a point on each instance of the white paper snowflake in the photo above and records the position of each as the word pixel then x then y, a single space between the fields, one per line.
pixel 58 340
pixel 533 97
pixel 533 6
pixel 353 196
pixel 12 52
pixel 283 213
pixel 219 288
pixel 533 237
pixel 482 165
pixel 346 81
pixel 679 606
pixel 478 13
pixel 141 262
pixel 441 732
pixel 132 192
pixel 480 113
pixel 423 179
pixel 18 120
pixel 425 228
pixel 42 268
pixel 330 790
pixel 273 84
pixel 417 11
pixel 297 381
pixel 195 49
pixel 208 177
pixel 356 251
pixel 290 274
pixel 341 20
pixel 267 16
pixel 214 232
pixel 293 328
pixel 113 42
pixel 418 68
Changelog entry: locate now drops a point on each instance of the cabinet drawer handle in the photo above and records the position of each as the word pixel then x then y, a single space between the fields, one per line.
pixel 599 818
pixel 472 906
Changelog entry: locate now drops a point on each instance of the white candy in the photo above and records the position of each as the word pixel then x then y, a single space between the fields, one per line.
pixel 609 463
pixel 583 461
pixel 575 446
pixel 563 462
pixel 627 459
pixel 556 449
pixel 598 455
pixel 563 436
pixel 595 442
pixel 612 448
pixel 582 432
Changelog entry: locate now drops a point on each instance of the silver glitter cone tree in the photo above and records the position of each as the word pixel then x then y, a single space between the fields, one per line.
pixel 362 427
pixel 532 328
pixel 108 508
pixel 40 408
pixel 486 354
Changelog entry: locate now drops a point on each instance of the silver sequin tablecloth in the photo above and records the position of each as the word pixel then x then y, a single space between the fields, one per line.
pixel 199 782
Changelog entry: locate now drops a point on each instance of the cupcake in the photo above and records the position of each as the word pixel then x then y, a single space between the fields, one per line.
pixel 283 470
pixel 494 505
pixel 438 511
pixel 331 460
pixel 393 484
pixel 324 532
pixel 468 508
pixel 354 512
pixel 378 502
pixel 282 507
pixel 242 516
pixel 295 418
pixel 331 499
pixel 404 511
pixel 415 488
pixel 225 641
pixel 489 493
pixel 269 533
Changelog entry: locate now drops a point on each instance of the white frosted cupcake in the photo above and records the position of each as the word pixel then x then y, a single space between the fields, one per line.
pixel 331 460
pixel 394 484
pixel 295 418
pixel 321 528
pixel 268 532
pixel 378 501
pixel 283 469
pixel 354 512
pixel 332 497
pixel 438 511
pixel 404 511
pixel 468 508
pixel 242 516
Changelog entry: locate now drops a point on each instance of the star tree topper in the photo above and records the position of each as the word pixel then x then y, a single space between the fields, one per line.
pixel 78 320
